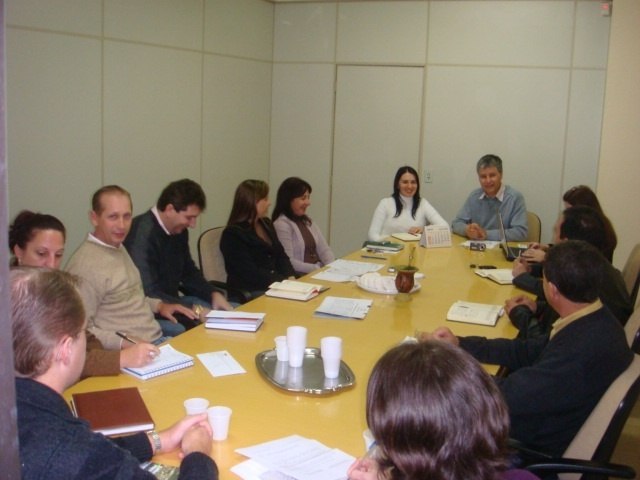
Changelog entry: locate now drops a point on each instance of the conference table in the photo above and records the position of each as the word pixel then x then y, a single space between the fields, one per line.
pixel 264 412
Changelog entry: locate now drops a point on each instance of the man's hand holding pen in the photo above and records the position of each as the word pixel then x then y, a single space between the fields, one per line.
pixel 136 353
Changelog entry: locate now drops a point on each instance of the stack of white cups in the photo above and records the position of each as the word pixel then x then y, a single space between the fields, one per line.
pixel 296 344
pixel 331 352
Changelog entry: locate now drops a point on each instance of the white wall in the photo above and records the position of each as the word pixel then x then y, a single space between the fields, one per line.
pixel 143 92
pixel 137 93
pixel 522 79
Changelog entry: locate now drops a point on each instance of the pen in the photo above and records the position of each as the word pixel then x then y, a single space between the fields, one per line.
pixel 482 267
pixel 126 337
pixel 372 256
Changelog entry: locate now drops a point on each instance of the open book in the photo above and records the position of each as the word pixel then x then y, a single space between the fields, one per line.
pixel 477 313
pixel 503 276
pixel 406 236
pixel 234 320
pixel 294 290
pixel 113 412
pixel 168 361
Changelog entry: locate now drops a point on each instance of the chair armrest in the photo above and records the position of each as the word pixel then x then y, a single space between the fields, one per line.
pixel 584 467
pixel 539 462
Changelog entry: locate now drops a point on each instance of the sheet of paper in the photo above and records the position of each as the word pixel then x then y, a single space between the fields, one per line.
pixel 220 363
pixel 300 458
pixel 252 470
pixel 344 270
pixel 344 307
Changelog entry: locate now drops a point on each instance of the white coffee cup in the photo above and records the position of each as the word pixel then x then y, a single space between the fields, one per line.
pixel 331 353
pixel 282 352
pixel 219 418
pixel 195 406
pixel 296 343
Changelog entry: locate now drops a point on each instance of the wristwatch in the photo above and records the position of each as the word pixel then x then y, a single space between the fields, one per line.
pixel 155 439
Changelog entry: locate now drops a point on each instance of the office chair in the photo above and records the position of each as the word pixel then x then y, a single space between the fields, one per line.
pixel 632 331
pixel 534 226
pixel 588 455
pixel 212 264
pixel 631 273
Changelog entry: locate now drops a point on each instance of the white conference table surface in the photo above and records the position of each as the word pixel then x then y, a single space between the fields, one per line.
pixel 262 412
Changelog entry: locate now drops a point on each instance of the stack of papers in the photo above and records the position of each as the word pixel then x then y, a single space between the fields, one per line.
pixel 341 307
pixel 294 290
pixel 240 321
pixel 477 313
pixel 168 361
pixel 293 458
pixel 346 270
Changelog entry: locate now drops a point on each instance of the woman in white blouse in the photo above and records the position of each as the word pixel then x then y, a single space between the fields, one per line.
pixel 404 211
pixel 301 238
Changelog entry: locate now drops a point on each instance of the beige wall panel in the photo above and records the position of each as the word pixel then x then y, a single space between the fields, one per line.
pixel 242 28
pixel 301 132
pixel 584 129
pixel 152 118
pixel 176 23
pixel 528 33
pixel 377 130
pixel 53 113
pixel 236 116
pixel 592 36
pixel 305 32
pixel 518 114
pixel 382 32
pixel 76 16
pixel 619 168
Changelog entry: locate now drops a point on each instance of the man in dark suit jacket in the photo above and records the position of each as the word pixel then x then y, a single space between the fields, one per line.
pixel 158 244
pixel 557 379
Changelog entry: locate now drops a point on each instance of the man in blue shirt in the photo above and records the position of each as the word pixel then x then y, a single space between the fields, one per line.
pixel 478 217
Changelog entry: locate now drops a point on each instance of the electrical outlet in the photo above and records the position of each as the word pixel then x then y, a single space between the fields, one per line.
pixel 427 176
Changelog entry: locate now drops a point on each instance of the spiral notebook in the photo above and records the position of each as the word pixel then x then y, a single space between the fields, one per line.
pixel 168 361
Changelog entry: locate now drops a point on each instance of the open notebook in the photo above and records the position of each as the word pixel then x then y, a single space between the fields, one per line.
pixel 168 361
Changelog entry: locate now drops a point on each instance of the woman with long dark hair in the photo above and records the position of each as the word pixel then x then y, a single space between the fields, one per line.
pixel 253 256
pixel 435 414
pixel 405 211
pixel 302 240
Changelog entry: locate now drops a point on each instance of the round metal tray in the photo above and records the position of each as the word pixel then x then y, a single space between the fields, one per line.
pixel 309 378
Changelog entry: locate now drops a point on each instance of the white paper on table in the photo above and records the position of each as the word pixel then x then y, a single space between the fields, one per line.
pixel 220 363
pixel 489 244
pixel 330 276
pixel 344 270
pixel 344 307
pixel 252 470
pixel 301 458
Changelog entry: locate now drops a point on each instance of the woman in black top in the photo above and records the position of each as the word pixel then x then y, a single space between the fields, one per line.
pixel 253 256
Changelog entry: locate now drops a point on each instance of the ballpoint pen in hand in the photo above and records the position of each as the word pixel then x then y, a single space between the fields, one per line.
pixel 126 337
